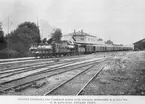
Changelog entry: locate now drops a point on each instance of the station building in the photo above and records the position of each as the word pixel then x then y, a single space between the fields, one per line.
pixel 81 37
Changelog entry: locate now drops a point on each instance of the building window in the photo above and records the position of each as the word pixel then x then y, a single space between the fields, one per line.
pixel 81 38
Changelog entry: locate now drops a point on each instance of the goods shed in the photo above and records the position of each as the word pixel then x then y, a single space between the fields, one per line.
pixel 139 45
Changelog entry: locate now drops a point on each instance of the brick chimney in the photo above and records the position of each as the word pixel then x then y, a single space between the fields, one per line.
pixel 74 31
pixel 82 31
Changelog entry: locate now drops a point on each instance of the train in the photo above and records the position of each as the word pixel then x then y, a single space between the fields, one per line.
pixel 67 48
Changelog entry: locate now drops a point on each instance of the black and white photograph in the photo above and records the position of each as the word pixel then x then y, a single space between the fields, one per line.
pixel 72 48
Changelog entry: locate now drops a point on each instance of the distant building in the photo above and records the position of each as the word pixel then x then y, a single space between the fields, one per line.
pixel 81 37
pixel 139 45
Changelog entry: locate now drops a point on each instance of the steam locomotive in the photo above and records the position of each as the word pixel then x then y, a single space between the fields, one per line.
pixel 65 48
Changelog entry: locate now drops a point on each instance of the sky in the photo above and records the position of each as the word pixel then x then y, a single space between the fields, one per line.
pixel 122 21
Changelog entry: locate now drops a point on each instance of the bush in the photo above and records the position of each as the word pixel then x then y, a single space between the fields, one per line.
pixel 9 53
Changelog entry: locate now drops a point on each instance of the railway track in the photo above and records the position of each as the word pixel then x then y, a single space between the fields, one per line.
pixel 30 68
pixel 13 71
pixel 16 71
pixel 21 65
pixel 30 59
pixel 24 80
pixel 24 63
pixel 15 59
pixel 76 84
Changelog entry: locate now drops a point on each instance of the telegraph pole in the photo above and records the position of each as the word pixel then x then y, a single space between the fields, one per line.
pixel 37 22
pixel 8 33
pixel 8 25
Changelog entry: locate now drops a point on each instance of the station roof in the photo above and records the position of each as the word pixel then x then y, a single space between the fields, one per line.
pixel 80 33
pixel 140 41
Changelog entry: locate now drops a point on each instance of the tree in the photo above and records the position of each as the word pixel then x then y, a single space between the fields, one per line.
pixel 56 36
pixel 31 29
pixel 2 39
pixel 26 33
pixel 109 42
